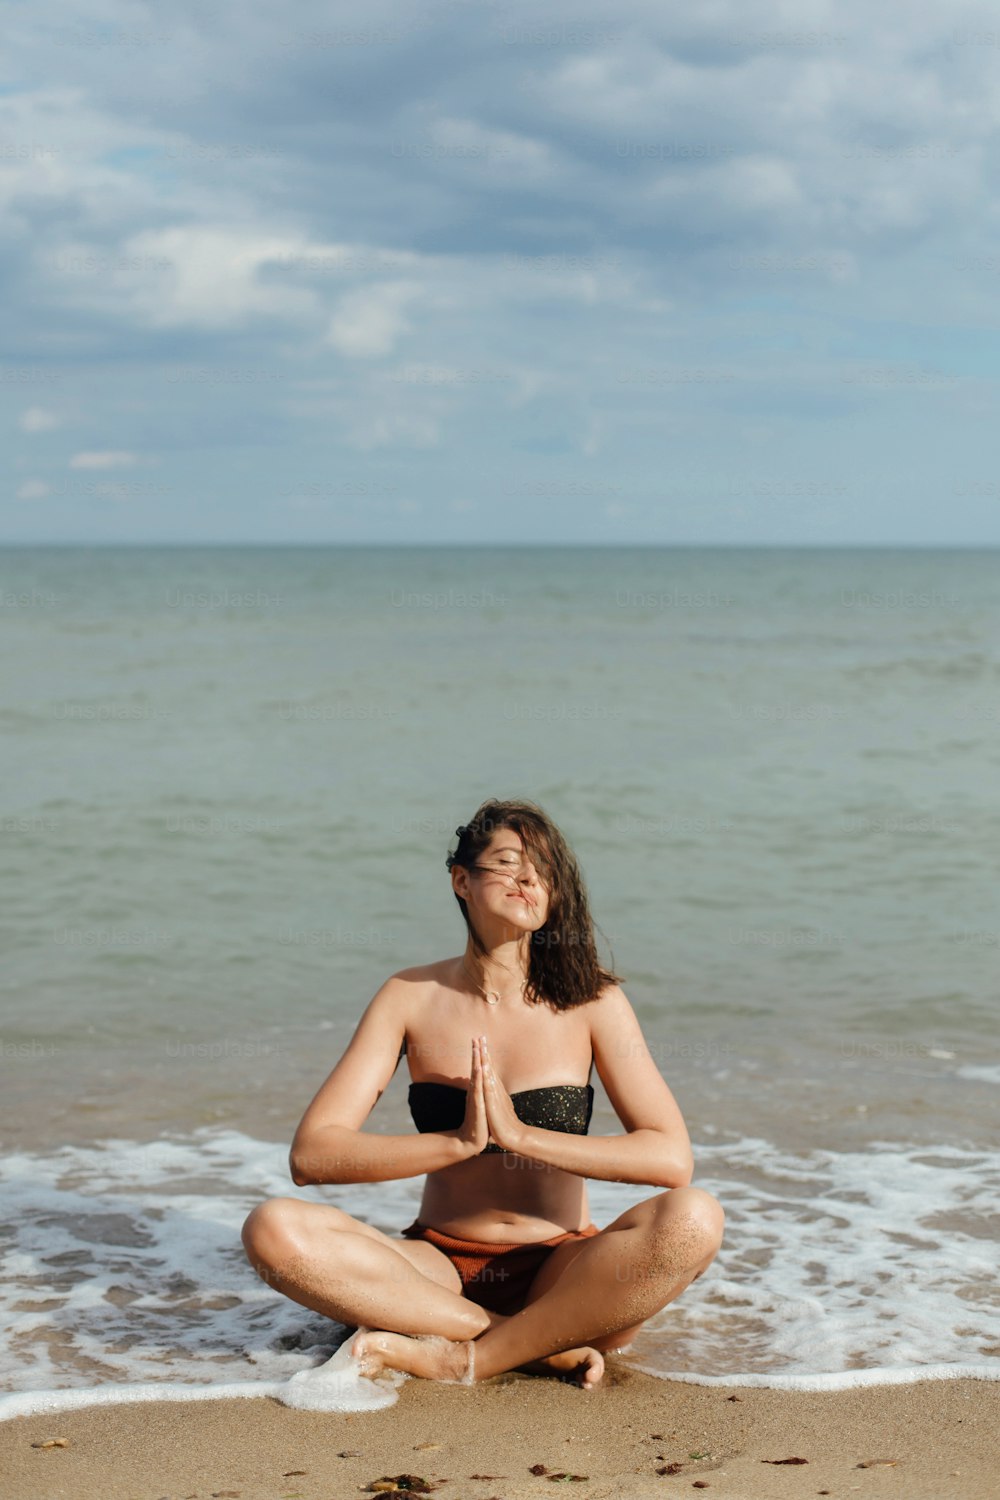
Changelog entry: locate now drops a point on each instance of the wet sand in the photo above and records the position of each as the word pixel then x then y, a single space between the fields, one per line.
pixel 933 1440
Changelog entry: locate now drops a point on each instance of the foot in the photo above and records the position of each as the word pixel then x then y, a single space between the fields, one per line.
pixel 435 1358
pixel 430 1357
pixel 584 1366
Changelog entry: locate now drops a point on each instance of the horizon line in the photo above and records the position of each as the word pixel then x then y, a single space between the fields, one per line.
pixel 536 546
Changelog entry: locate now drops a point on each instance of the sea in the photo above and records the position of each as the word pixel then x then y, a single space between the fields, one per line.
pixel 231 778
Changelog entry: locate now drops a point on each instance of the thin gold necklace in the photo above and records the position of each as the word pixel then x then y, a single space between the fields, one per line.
pixel 492 997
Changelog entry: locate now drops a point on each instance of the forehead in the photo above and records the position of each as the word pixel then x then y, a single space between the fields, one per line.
pixel 509 838
pixel 506 838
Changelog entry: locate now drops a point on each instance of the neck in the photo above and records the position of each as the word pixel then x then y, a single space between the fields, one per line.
pixel 502 969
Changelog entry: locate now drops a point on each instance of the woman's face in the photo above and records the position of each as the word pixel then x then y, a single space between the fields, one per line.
pixel 495 897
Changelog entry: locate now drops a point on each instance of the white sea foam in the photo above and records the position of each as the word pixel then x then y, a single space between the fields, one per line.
pixel 335 1385
pixel 339 1385
pixel 125 1278
pixel 981 1073
pixel 843 1380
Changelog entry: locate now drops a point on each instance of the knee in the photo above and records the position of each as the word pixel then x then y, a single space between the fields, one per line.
pixel 269 1232
pixel 696 1216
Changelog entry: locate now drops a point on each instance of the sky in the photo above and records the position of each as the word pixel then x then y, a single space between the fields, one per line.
pixel 447 271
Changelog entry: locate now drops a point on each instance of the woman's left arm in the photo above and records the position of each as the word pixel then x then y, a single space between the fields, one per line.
pixel 656 1148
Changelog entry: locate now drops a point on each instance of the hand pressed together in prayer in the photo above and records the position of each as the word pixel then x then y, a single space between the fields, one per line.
pixel 506 1129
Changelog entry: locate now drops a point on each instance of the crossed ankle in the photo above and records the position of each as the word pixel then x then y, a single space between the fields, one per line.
pixel 468 1377
pixel 468 1374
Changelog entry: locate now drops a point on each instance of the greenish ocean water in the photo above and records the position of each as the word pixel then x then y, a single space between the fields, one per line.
pixel 232 775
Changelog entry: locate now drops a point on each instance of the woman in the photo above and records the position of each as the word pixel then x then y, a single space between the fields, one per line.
pixel 502 1268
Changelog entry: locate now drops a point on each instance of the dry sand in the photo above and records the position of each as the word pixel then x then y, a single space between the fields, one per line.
pixel 934 1440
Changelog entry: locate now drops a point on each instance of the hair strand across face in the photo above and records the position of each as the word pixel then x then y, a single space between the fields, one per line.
pixel 564 969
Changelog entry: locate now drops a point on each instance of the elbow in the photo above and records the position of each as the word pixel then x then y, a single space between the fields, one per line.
pixel 678 1171
pixel 682 1170
pixel 296 1173
pixel 298 1167
pixel 663 1164
pixel 672 1176
pixel 318 1160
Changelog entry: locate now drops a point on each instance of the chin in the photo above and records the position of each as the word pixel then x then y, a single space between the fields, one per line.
pixel 530 921
pixel 523 917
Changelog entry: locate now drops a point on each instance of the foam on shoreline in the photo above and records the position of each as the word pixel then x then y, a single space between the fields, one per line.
pixel 337 1386
pixel 124 1278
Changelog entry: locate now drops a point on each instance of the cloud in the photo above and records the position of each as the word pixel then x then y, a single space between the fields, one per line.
pixel 208 276
pixel 37 419
pixel 369 322
pixel 657 233
pixel 392 429
pixel 469 146
pixel 33 489
pixel 109 459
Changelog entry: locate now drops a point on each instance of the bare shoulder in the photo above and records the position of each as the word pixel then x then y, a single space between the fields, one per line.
pixel 611 1005
pixel 417 986
pixel 612 992
pixel 421 973
pixel 614 1026
pixel 421 978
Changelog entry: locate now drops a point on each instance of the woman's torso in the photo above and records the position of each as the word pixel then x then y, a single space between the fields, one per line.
pixel 497 1197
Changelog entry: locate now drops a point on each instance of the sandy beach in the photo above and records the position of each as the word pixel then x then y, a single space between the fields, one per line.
pixel 933 1440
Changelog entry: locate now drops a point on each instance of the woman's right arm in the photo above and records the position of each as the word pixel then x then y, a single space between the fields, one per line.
pixel 329 1145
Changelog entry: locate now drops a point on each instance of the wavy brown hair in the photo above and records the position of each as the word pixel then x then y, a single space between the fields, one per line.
pixel 563 967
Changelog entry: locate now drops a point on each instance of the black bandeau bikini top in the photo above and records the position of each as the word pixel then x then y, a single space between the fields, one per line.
pixel 561 1106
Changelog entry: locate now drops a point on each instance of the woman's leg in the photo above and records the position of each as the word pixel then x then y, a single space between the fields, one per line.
pixel 600 1289
pixel 323 1258
pixel 328 1261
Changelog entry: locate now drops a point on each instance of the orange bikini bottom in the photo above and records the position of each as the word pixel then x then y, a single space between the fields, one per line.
pixel 497 1277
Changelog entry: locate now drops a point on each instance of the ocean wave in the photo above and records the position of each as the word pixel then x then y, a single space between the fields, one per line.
pixel 837 1268
pixel 969 664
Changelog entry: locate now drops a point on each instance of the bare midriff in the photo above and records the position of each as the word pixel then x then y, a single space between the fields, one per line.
pixel 501 1198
